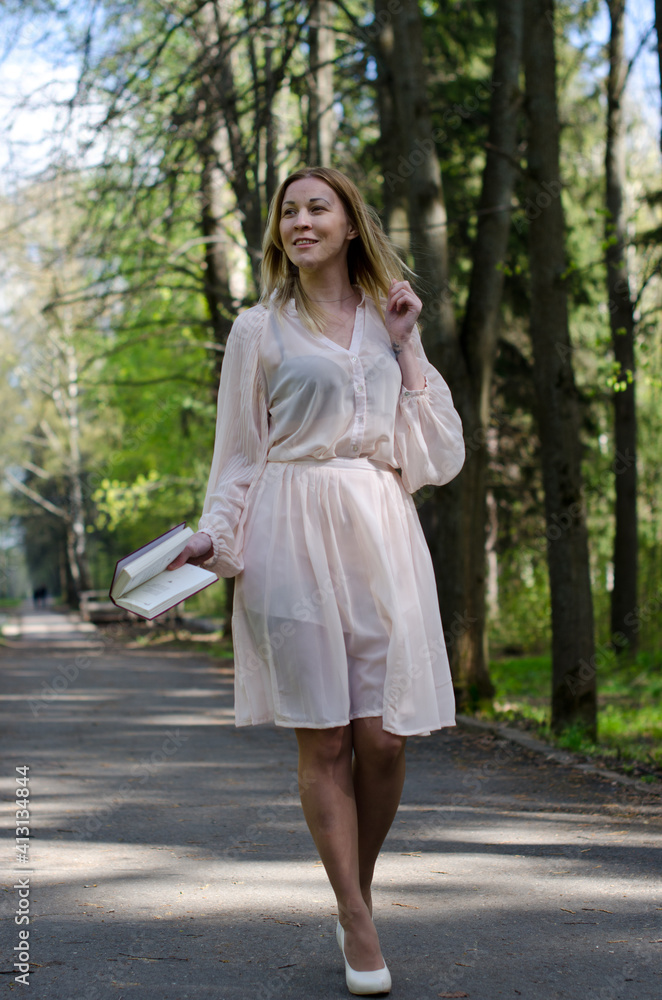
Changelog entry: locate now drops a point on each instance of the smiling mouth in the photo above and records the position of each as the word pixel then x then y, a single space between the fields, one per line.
pixel 305 243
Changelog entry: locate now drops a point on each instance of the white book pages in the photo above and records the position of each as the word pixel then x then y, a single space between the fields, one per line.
pixel 150 563
pixel 167 589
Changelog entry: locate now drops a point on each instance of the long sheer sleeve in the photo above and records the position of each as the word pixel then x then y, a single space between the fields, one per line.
pixel 240 449
pixel 429 445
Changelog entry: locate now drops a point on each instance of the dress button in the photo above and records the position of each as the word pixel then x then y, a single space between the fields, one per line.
pixel 359 388
pixel 406 393
pixel 354 357
pixel 355 447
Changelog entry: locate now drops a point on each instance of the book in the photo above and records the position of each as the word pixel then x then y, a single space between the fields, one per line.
pixel 143 585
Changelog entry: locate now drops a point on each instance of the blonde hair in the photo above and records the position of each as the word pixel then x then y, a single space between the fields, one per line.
pixel 372 259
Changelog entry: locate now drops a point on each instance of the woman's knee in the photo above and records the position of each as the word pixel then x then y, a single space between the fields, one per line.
pixel 375 746
pixel 324 747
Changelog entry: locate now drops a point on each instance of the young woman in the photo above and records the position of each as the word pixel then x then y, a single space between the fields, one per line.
pixel 325 393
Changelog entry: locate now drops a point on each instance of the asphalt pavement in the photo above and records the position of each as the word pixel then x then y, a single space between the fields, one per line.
pixel 168 857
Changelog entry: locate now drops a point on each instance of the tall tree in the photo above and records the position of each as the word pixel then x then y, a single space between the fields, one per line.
pixel 455 517
pixel 404 75
pixel 320 87
pixel 573 672
pixel 480 327
pixel 621 318
pixel 394 193
pixel 658 33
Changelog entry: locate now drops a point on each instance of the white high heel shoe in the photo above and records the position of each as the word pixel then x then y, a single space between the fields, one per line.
pixel 363 983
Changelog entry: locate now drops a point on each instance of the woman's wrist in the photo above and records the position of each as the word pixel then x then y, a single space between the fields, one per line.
pixel 208 552
pixel 412 374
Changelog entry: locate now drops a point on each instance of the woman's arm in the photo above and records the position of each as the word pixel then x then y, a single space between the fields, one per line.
pixel 403 307
pixel 240 448
pixel 412 376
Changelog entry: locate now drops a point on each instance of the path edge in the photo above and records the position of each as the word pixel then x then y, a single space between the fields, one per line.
pixel 552 753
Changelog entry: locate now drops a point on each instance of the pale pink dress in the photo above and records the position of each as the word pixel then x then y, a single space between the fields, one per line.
pixel 335 611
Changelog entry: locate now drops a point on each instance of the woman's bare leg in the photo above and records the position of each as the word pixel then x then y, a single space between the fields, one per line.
pixel 327 796
pixel 379 774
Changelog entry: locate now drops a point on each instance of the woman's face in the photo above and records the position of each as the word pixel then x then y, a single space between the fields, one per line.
pixel 314 227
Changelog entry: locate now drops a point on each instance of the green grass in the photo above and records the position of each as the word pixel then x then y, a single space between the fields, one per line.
pixel 629 709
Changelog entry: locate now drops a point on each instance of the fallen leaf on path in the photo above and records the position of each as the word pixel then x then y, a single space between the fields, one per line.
pixel 567 911
pixel 457 994
pixel 410 906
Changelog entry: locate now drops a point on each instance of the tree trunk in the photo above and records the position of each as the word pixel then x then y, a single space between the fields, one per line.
pixel 321 121
pixel 63 387
pixel 658 32
pixel 481 320
pixel 220 91
pixel 225 85
pixel 621 317
pixel 76 527
pixel 455 517
pixel 396 209
pixel 216 273
pixel 216 196
pixel 443 512
pixel 573 661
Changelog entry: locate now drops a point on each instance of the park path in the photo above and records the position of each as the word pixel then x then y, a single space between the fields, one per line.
pixel 170 859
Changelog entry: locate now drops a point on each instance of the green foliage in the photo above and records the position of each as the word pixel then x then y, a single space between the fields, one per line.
pixel 629 706
pixel 118 503
pixel 524 591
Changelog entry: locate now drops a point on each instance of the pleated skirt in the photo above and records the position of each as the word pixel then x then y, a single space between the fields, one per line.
pixel 335 614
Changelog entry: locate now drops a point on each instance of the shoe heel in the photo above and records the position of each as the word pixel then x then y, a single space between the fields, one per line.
pixel 363 983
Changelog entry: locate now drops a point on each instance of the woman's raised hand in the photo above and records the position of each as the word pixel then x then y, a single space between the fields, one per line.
pixel 198 549
pixel 403 307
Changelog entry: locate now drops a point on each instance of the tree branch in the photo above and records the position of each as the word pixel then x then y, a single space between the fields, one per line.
pixel 34 496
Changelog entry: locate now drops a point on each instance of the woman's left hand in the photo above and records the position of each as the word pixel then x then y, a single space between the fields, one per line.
pixel 403 308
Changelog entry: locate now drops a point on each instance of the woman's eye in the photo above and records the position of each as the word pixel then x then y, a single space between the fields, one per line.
pixel 313 208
